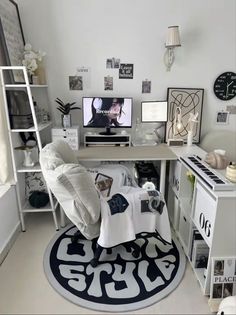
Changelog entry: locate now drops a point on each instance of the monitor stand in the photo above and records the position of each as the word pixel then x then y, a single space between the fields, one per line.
pixel 108 132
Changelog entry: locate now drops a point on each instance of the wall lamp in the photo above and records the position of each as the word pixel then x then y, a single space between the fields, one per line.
pixel 172 41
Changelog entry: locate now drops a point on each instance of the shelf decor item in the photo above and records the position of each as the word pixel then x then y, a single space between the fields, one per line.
pixel 191 179
pixel 38 199
pixel 32 60
pixel 27 150
pixel 65 109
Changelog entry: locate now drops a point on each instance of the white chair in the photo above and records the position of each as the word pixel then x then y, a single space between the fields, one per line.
pixel 130 209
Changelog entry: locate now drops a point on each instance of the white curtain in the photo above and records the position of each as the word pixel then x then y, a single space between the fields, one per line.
pixel 6 170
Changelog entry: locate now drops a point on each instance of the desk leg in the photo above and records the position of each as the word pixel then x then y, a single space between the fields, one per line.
pixel 63 217
pixel 163 177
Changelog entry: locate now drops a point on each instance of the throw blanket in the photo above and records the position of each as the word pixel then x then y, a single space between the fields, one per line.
pixel 131 211
pixel 126 208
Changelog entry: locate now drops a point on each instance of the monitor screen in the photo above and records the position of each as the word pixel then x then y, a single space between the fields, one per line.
pixel 107 112
pixel 154 111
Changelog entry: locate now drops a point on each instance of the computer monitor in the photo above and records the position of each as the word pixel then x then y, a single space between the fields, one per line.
pixel 107 112
pixel 154 111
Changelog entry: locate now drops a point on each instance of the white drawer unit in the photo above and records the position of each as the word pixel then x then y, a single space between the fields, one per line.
pixel 204 212
pixel 70 135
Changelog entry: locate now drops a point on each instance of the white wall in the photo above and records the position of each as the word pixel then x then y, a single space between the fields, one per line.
pixel 77 33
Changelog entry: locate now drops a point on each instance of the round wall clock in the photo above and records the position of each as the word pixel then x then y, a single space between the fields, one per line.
pixel 225 86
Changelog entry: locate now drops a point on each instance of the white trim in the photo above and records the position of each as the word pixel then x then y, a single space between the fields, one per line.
pixel 9 242
pixel 4 189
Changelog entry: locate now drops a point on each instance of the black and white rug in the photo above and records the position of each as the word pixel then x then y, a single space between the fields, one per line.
pixel 120 282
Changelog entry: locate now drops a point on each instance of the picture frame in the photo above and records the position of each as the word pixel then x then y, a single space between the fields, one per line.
pixel 223 277
pixel 12 37
pixel 222 117
pixel 189 100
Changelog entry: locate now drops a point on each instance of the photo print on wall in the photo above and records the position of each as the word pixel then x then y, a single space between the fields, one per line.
pixel 108 83
pixel 146 86
pixel 76 82
pixel 112 63
pixel 126 71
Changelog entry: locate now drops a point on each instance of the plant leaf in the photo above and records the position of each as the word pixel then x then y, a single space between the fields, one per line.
pixel 75 108
pixel 59 101
pixel 61 111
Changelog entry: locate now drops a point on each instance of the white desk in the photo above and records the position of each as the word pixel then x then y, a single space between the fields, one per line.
pixel 140 153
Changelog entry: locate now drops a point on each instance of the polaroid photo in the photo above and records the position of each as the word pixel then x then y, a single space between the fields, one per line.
pixel 222 117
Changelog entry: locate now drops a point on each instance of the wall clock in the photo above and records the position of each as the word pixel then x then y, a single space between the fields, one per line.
pixel 225 86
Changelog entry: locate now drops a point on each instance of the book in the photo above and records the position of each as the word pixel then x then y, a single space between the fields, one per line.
pixel 196 235
pixel 200 254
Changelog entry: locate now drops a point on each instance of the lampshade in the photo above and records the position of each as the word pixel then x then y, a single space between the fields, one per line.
pixel 173 38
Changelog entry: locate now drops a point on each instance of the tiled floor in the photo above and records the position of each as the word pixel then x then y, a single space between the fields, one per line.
pixel 25 289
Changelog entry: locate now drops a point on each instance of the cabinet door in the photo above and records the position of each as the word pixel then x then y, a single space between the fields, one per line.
pixel 173 208
pixel 184 229
pixel 204 213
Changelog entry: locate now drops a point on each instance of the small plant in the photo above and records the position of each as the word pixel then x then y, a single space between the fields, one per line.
pixel 65 108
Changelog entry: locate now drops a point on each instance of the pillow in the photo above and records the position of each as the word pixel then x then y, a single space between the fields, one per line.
pixel 79 183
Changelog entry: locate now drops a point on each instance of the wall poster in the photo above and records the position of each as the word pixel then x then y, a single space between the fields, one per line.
pixel 12 38
pixel 223 277
pixel 182 102
pixel 126 71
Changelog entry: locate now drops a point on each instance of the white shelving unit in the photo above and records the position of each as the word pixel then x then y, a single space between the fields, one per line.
pixel 211 213
pixel 23 204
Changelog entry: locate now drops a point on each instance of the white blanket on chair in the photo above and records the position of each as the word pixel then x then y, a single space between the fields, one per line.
pixel 126 213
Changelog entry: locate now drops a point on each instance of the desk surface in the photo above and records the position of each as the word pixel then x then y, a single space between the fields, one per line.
pixel 138 153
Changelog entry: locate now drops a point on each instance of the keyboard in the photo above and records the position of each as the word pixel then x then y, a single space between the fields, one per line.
pixel 208 175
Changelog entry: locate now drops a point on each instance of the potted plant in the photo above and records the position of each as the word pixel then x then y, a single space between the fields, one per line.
pixel 65 109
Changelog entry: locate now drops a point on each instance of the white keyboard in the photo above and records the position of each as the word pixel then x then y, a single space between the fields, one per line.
pixel 212 179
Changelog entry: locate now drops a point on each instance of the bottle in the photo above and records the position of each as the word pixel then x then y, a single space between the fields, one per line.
pixel 190 138
pixel 137 137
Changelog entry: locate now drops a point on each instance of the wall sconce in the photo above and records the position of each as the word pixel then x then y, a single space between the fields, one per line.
pixel 172 41
pixel 178 124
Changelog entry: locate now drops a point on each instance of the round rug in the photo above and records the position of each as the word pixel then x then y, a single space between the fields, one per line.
pixel 120 282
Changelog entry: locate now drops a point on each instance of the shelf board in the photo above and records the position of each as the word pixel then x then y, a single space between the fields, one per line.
pixel 27 169
pixel 28 208
pixel 24 85
pixel 41 126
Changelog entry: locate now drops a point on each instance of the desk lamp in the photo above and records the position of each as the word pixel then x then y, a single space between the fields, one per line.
pixel 177 121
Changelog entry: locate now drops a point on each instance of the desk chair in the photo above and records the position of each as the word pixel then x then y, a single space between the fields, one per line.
pixel 96 216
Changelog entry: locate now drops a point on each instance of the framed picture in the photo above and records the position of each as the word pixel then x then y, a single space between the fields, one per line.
pixel 223 277
pixel 222 117
pixel 12 37
pixel 181 103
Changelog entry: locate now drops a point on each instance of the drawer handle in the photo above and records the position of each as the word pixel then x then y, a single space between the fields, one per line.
pixel 184 219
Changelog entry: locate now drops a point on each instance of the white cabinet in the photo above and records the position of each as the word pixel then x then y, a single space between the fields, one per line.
pixel 211 213
pixel 70 135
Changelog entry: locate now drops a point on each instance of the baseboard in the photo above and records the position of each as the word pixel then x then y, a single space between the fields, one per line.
pixel 10 242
